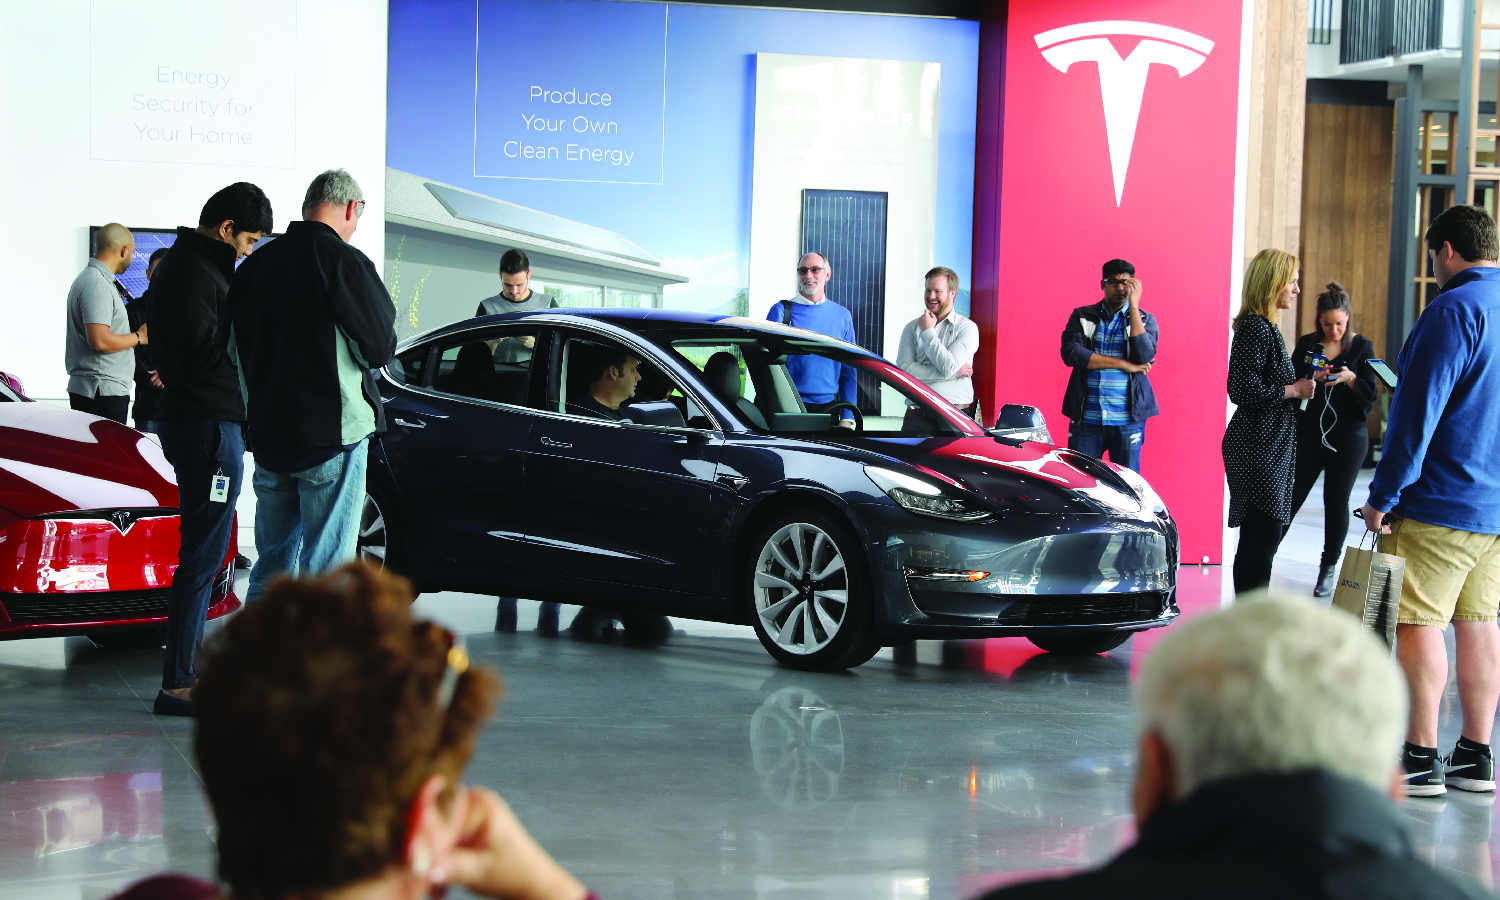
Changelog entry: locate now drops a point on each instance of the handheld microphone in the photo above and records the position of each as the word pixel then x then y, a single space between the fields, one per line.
pixel 1315 361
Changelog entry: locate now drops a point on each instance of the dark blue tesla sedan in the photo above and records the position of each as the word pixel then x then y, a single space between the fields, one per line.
pixel 665 461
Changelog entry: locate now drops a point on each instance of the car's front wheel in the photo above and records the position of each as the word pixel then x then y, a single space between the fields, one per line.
pixel 810 594
pixel 1085 644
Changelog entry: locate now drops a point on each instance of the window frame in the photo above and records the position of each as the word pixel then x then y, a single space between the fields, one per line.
pixel 435 348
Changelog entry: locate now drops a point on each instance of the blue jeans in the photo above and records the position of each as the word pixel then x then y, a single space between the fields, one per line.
pixel 1122 441
pixel 307 522
pixel 198 450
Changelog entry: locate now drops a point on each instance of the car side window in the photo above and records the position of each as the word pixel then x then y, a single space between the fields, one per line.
pixel 601 379
pixel 492 364
pixel 410 367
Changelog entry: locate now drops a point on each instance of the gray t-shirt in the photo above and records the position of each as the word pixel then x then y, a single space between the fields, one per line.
pixel 94 300
pixel 514 351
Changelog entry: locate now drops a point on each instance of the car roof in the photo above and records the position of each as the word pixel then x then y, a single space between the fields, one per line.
pixel 638 319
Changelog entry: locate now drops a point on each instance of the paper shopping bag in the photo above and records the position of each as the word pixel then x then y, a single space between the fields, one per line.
pixel 1370 589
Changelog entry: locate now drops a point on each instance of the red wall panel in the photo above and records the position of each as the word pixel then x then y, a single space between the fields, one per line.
pixel 1059 219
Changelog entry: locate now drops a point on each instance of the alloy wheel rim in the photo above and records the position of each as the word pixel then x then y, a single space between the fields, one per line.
pixel 372 534
pixel 801 588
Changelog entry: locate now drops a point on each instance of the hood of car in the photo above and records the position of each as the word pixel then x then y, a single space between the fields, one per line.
pixel 54 460
pixel 1034 476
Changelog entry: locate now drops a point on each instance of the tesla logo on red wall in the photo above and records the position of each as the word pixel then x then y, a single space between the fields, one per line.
pixel 1122 82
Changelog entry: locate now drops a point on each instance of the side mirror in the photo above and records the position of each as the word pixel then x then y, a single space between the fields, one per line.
pixel 1018 422
pixel 662 413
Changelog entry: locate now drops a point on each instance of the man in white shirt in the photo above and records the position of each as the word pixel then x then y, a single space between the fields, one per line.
pixel 938 348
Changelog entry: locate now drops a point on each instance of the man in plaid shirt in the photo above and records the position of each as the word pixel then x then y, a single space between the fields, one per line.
pixel 1110 346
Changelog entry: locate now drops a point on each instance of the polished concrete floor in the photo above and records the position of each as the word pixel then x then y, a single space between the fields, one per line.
pixel 695 768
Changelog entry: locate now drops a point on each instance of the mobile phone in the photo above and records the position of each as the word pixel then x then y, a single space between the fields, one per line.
pixel 1383 371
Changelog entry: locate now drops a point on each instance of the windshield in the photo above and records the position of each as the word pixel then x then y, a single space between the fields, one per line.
pixel 783 380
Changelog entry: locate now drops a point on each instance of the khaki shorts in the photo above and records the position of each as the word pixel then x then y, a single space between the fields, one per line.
pixel 1451 575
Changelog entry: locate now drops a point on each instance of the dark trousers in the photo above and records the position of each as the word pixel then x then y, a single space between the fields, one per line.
pixel 1260 535
pixel 1123 442
pixel 505 616
pixel 1339 467
pixel 198 449
pixel 113 408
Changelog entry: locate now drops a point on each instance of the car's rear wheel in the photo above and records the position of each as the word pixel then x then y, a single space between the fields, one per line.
pixel 137 639
pixel 1080 644
pixel 379 544
pixel 810 597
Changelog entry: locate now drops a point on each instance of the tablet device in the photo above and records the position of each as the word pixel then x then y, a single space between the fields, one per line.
pixel 1384 371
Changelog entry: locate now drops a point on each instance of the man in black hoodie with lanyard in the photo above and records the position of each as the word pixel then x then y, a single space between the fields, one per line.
pixel 201 412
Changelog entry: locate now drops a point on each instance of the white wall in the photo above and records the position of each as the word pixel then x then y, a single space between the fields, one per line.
pixel 69 73
pixel 844 124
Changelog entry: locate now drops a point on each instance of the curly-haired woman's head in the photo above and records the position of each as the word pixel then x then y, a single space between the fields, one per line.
pixel 323 711
pixel 1270 285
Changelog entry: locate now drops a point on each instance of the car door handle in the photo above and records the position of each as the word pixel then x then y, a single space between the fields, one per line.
pixel 562 445
pixel 411 424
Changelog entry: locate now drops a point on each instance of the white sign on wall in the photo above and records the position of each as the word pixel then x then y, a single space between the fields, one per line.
pixel 844 124
pixel 168 84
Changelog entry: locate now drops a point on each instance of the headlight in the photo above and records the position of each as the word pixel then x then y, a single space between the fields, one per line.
pixel 924 498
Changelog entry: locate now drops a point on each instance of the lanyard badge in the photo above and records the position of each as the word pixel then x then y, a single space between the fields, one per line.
pixel 218 488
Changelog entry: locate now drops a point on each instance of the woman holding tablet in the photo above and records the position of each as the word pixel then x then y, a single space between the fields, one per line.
pixel 1331 436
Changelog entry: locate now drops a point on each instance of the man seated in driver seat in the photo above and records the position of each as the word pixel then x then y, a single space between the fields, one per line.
pixel 606 377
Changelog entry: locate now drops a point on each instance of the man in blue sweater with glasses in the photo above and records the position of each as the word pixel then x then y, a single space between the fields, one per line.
pixel 1436 493
pixel 821 381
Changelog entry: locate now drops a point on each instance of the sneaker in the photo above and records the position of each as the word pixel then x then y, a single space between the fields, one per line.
pixel 1423 775
pixel 1469 770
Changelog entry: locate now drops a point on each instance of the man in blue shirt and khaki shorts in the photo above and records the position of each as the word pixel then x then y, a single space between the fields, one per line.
pixel 1436 493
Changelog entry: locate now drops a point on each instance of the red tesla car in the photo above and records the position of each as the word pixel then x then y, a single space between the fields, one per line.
pixel 88 528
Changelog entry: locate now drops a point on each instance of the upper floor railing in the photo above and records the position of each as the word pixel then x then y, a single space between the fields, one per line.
pixel 1373 29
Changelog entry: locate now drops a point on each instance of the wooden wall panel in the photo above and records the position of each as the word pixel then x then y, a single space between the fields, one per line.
pixel 1278 98
pixel 1346 211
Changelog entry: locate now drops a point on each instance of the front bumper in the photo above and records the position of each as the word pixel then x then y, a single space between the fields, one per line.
pixel 1040 574
pixel 64 576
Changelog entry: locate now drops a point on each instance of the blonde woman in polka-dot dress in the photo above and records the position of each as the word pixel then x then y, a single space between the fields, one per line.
pixel 1260 445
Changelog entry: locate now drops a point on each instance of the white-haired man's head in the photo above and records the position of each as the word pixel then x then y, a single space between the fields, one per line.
pixel 1270 685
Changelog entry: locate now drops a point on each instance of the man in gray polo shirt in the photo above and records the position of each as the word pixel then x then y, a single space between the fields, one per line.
pixel 100 347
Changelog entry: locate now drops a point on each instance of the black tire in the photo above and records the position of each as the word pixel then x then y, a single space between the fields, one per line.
pixel 802 617
pixel 137 639
pixel 1086 644
pixel 380 542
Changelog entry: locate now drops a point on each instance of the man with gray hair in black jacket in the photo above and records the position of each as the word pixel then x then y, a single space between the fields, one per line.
pixel 312 320
pixel 1266 767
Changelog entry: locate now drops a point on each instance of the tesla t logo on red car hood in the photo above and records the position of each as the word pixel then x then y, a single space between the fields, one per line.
pixel 53 460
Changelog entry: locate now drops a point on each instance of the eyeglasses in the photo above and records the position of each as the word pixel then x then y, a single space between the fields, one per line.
pixel 815 270
pixel 359 208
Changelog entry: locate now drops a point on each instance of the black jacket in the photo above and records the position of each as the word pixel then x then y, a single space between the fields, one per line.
pixel 146 393
pixel 311 320
pixel 1260 444
pixel 1350 405
pixel 1309 834
pixel 1078 347
pixel 188 325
